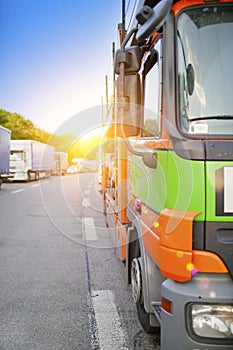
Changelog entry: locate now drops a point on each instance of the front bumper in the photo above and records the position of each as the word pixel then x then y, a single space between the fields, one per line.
pixel 178 327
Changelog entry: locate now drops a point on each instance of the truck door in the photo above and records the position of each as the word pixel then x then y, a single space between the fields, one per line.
pixel 154 194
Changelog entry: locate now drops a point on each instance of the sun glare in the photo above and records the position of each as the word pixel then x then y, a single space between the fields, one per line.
pixel 92 133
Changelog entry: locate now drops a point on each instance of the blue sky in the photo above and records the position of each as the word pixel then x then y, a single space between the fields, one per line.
pixel 55 55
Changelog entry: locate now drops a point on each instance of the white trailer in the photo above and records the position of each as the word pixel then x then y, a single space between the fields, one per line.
pixel 5 137
pixel 30 160
pixel 60 163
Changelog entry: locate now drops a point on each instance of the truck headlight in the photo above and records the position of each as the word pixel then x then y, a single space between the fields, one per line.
pixel 212 320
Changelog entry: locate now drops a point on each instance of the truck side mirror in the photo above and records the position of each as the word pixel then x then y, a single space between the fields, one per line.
pixel 129 110
pixel 128 107
pixel 131 57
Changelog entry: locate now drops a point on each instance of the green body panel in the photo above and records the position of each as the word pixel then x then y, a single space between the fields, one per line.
pixel 215 182
pixel 176 183
pixel 186 185
pixel 180 184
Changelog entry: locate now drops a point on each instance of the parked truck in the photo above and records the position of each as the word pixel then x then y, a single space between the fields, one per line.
pixel 60 163
pixel 5 137
pixel 169 203
pixel 30 160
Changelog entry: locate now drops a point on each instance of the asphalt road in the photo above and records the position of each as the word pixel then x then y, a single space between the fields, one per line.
pixel 62 286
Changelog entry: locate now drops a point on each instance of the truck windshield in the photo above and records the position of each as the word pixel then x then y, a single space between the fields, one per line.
pixel 16 156
pixel 205 70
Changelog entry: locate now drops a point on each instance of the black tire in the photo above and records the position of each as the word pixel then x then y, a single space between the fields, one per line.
pixel 144 318
pixel 143 315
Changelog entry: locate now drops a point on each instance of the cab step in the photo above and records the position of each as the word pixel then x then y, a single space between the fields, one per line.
pixel 157 309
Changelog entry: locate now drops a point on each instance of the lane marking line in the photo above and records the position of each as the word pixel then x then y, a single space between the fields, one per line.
pixel 17 191
pixel 86 202
pixel 36 185
pixel 110 332
pixel 89 230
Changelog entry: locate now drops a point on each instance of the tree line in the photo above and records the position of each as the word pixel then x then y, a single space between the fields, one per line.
pixel 24 129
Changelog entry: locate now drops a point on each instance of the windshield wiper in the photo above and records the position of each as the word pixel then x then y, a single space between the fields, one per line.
pixel 218 117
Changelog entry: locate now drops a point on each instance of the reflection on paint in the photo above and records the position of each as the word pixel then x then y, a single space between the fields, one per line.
pixel 193 270
pixel 180 254
pixel 206 287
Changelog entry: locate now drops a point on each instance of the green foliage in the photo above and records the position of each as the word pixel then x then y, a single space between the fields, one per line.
pixel 62 143
pixel 23 129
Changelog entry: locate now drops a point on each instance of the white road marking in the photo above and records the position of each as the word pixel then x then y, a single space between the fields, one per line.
pixel 86 202
pixel 36 185
pixel 89 230
pixel 87 191
pixel 17 191
pixel 110 332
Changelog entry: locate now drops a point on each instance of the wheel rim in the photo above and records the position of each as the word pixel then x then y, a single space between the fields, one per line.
pixel 136 280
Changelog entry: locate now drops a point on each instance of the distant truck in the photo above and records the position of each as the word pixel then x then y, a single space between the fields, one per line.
pixel 5 137
pixel 30 160
pixel 60 163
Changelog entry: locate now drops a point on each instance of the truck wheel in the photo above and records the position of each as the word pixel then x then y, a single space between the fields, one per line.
pixel 136 282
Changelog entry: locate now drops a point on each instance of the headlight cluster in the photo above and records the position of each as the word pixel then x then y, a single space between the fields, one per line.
pixel 212 320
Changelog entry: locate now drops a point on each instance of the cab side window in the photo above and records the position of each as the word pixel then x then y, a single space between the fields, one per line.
pixel 152 78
